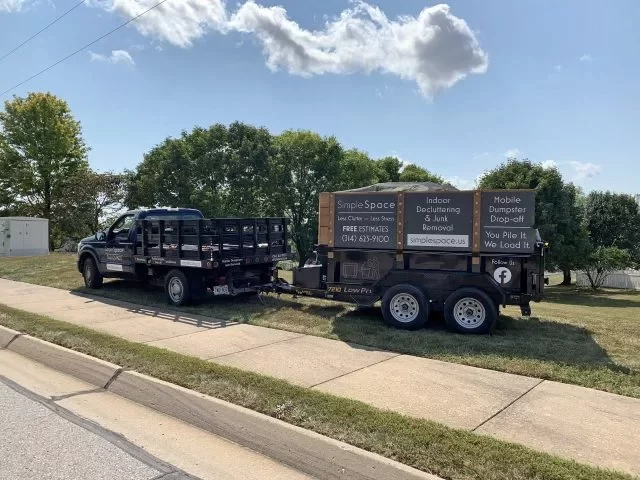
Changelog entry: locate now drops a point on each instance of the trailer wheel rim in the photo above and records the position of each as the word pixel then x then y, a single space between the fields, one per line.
pixel 404 307
pixel 175 289
pixel 469 312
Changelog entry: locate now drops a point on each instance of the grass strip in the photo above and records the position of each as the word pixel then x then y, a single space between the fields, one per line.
pixel 576 336
pixel 428 446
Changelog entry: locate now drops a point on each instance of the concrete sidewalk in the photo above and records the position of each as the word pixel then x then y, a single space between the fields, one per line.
pixel 587 425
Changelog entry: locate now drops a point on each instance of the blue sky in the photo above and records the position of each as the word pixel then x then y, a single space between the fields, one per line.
pixel 556 82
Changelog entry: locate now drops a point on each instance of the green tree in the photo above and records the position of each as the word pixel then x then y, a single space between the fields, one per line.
pixel 358 170
pixel 220 170
pixel 303 165
pixel 246 170
pixel 613 220
pixel 557 212
pixel 41 150
pixel 167 177
pixel 414 173
pixel 209 151
pixel 388 169
pixel 603 261
pixel 98 197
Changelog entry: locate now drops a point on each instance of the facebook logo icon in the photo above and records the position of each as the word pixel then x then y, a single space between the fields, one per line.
pixel 502 275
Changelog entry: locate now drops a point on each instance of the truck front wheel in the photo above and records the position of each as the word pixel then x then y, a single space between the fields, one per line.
pixel 469 310
pixel 405 307
pixel 92 277
pixel 177 287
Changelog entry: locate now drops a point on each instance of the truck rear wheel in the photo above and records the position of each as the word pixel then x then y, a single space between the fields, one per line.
pixel 91 275
pixel 176 284
pixel 405 307
pixel 469 310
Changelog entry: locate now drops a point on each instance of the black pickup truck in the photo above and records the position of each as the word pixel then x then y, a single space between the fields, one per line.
pixel 186 253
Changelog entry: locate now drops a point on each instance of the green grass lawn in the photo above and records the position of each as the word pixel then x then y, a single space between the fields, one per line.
pixel 431 447
pixel 574 336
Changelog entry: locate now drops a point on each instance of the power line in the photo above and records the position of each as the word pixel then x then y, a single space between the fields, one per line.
pixel 82 48
pixel 56 20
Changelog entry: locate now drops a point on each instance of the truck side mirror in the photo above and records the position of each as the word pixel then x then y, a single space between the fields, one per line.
pixel 100 236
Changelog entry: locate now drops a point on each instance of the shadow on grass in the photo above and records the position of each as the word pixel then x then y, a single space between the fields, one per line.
pixel 513 339
pixel 570 295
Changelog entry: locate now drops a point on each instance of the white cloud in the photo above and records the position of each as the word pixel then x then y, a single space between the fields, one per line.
pixel 586 58
pixel 574 171
pixel 462 183
pixel 549 164
pixel 179 23
pixel 12 5
pixel 513 153
pixel 557 68
pixel 585 170
pixel 435 49
pixel 117 56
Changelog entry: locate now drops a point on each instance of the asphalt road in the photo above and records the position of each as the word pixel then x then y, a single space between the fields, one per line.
pixel 40 440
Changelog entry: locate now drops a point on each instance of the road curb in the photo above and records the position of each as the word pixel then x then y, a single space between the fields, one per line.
pixel 7 336
pixel 304 450
pixel 90 369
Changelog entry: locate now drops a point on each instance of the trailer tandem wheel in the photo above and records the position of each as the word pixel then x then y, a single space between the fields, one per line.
pixel 405 307
pixel 470 310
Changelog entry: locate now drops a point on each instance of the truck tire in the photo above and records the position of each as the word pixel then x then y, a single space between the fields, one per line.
pixel 177 287
pixel 405 307
pixel 470 310
pixel 92 277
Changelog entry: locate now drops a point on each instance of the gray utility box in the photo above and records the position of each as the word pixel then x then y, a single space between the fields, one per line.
pixel 23 236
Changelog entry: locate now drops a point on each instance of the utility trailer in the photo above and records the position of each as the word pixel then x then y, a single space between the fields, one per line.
pixel 423 248
pixel 186 253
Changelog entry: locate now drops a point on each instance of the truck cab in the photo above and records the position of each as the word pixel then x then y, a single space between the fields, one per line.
pixel 110 253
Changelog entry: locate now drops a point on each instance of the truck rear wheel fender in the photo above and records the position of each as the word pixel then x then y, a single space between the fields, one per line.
pixel 405 306
pixel 470 310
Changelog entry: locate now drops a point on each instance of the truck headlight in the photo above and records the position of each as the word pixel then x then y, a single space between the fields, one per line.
pixel 79 245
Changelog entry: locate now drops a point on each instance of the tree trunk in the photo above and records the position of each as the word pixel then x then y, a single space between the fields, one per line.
pixel 566 277
pixel 302 253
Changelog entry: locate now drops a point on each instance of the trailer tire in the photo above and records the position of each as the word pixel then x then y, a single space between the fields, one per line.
pixel 92 277
pixel 405 307
pixel 177 287
pixel 470 310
